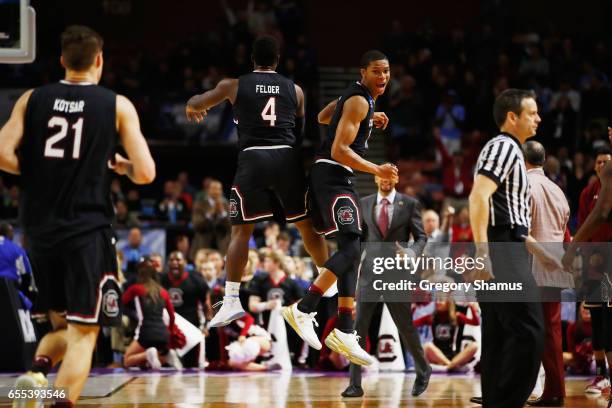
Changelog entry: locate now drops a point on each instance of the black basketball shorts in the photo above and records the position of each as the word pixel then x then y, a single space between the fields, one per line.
pixel 269 181
pixel 332 200
pixel 79 278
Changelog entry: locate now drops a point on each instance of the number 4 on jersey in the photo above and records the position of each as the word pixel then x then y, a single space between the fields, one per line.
pixel 269 111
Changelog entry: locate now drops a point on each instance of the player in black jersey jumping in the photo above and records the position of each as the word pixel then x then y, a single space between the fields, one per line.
pixel 60 138
pixel 335 203
pixel 269 112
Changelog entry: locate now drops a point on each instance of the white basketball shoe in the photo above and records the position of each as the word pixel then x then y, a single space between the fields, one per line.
pixel 303 324
pixel 347 344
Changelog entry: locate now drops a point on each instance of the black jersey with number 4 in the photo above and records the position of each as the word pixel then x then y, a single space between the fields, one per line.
pixel 265 109
pixel 69 135
pixel 360 144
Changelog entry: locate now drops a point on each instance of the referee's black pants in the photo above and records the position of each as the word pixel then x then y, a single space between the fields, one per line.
pixel 512 332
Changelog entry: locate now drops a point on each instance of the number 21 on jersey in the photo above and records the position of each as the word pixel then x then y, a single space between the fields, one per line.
pixel 62 124
pixel 269 111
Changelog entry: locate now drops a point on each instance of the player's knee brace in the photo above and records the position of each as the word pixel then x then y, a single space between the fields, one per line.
pixel 347 256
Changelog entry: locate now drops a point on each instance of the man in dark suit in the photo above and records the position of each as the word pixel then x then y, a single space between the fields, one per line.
pixel 390 218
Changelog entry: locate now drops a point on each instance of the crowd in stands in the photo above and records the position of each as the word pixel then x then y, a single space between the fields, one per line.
pixel 443 86
pixel 159 81
pixel 438 100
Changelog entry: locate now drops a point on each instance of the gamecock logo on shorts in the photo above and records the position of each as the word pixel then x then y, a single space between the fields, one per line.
pixel 345 215
pixel 233 208
pixel 110 303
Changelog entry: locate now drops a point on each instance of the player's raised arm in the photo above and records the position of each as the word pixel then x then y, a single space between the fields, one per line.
pixel 355 110
pixel 327 112
pixel 197 105
pixel 139 166
pixel 11 135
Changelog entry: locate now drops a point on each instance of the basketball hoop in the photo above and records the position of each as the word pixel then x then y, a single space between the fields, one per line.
pixel 17 32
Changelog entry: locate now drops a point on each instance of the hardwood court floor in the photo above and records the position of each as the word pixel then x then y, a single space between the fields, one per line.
pixel 301 389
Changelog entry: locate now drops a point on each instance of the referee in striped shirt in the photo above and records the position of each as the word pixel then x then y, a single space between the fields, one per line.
pixel 512 332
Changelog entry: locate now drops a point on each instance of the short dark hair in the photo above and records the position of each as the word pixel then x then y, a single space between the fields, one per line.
pixel 369 56
pixel 510 100
pixel 534 152
pixel 80 45
pixel 179 238
pixel 266 51
pixel 6 230
pixel 602 151
pixel 177 254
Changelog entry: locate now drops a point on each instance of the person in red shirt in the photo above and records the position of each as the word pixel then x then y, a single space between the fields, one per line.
pixel 462 231
pixel 462 237
pixel 457 175
pixel 600 215
pixel 599 313
pixel 590 194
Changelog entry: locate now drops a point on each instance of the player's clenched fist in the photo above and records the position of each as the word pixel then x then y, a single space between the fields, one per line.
pixel 387 171
pixel 380 120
